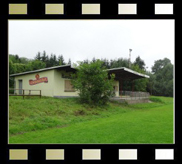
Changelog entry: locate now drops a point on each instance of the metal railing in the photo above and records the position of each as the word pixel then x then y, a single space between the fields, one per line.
pixel 24 92
pixel 133 95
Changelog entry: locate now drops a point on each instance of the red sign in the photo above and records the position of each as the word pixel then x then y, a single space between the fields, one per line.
pixel 38 80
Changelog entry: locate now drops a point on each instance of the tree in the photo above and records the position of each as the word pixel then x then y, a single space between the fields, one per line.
pixel 86 61
pixel 120 62
pixel 19 67
pixel 151 83
pixel 163 73
pixel 105 63
pixel 38 56
pixel 24 60
pixel 14 58
pixel 159 64
pixel 44 57
pixel 17 59
pixel 36 64
pixel 61 60
pixel 52 61
pixel 138 61
pixel 11 71
pixel 56 62
pixel 93 60
pixel 140 84
pixel 93 84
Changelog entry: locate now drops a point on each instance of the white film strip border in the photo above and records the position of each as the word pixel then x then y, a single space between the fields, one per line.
pixel 90 154
pixel 91 9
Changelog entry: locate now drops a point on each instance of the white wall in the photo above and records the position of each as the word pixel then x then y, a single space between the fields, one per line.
pixel 46 88
pixel 59 85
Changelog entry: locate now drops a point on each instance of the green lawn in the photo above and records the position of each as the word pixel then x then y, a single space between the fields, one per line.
pixel 50 120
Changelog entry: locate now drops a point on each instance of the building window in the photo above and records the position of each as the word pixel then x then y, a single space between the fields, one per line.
pixel 68 87
pixel 66 75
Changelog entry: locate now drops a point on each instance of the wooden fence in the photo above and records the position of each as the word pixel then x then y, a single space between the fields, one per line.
pixel 23 92
pixel 134 95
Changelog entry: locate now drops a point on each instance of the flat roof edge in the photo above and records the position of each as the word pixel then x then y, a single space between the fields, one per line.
pixel 129 70
pixel 40 70
pixel 140 74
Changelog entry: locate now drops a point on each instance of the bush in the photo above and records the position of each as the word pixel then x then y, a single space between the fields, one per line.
pixel 93 83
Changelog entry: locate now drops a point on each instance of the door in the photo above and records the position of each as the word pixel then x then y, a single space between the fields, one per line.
pixel 20 87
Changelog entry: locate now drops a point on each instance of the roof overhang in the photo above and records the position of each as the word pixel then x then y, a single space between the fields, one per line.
pixel 67 68
pixel 125 73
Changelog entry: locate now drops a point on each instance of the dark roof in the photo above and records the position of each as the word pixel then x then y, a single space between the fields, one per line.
pixel 120 73
pixel 62 67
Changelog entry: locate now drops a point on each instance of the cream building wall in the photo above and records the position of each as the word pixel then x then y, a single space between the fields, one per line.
pixel 59 84
pixel 47 89
pixel 55 85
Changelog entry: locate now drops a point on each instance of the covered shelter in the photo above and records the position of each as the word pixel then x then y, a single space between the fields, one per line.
pixel 123 73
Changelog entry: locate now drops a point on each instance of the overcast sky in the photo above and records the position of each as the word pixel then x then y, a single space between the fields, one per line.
pixel 81 39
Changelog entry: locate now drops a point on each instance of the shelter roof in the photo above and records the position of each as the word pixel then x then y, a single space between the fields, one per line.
pixel 125 73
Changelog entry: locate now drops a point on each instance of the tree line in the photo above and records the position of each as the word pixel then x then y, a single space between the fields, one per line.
pixel 160 82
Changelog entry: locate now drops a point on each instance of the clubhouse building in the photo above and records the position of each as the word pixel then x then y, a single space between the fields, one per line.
pixel 56 81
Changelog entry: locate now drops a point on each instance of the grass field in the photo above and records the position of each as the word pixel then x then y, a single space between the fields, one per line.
pixel 51 120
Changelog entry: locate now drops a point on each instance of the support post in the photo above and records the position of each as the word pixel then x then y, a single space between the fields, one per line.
pixel 120 87
pixel 40 93
pixel 23 93
pixel 133 86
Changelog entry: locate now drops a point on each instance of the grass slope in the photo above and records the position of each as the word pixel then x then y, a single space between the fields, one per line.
pixel 52 120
